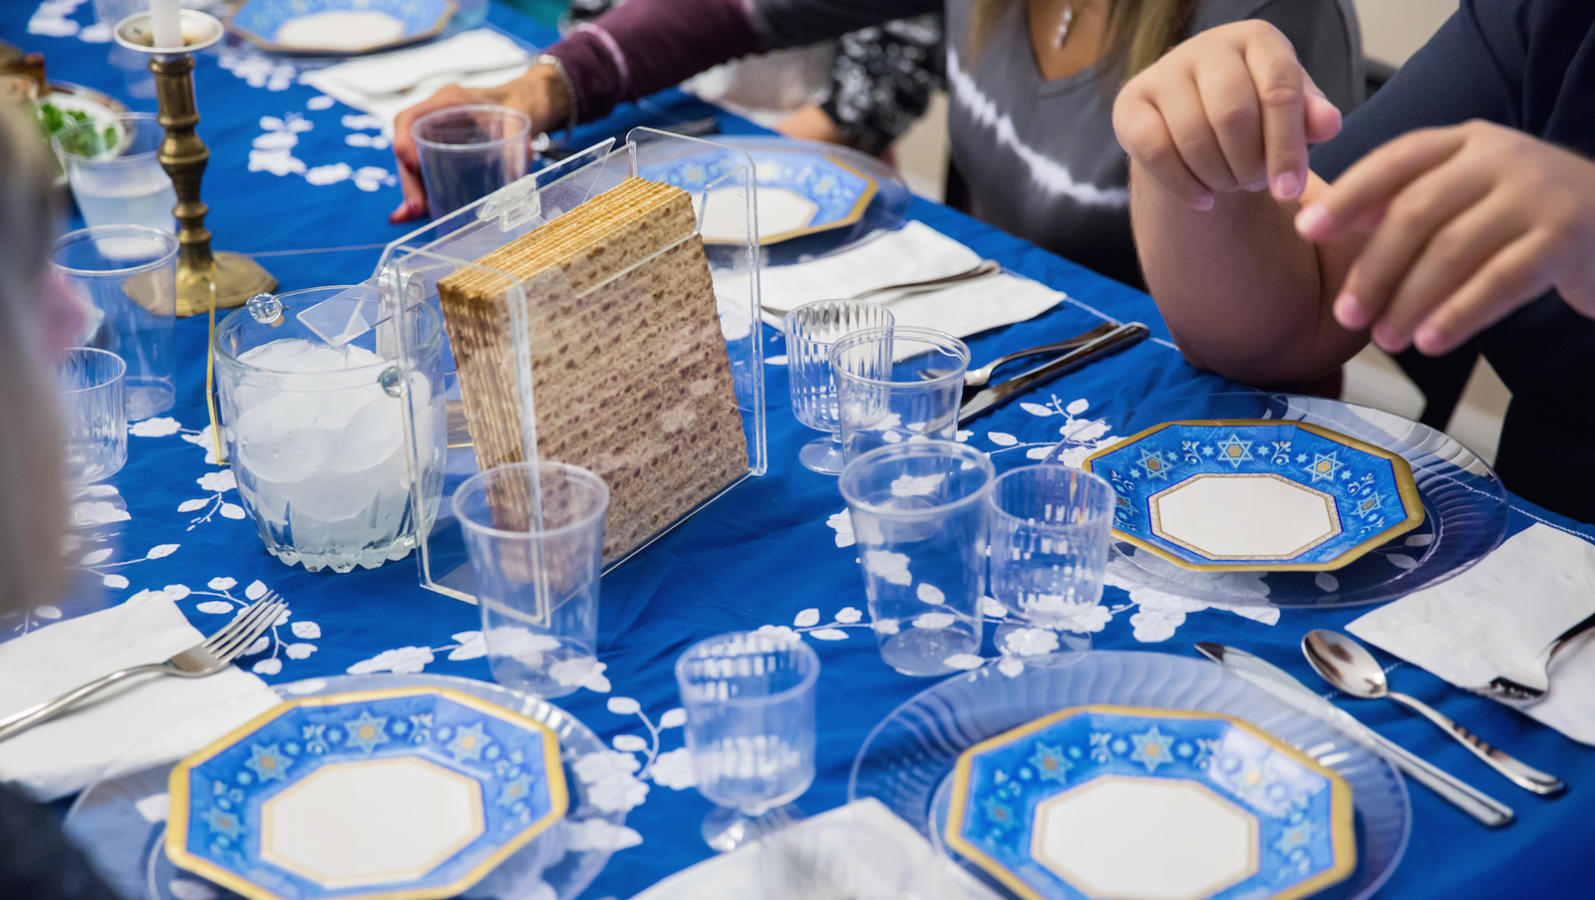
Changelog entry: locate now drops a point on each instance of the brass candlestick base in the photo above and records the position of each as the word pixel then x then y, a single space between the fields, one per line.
pixel 203 277
pixel 237 278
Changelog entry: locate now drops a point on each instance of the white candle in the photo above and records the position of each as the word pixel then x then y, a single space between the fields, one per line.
pixel 164 23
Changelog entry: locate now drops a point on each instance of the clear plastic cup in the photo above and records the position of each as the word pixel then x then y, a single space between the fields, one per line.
pixel 749 699
pixel 897 384
pixel 1049 552
pixel 128 273
pixel 468 152
pixel 921 532
pixel 811 330
pixel 94 409
pixel 115 175
pixel 537 563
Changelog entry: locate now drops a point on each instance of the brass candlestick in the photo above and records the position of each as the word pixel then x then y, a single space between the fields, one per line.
pixel 202 274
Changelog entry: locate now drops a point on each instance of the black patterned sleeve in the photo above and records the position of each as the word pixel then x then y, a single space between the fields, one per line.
pixel 883 79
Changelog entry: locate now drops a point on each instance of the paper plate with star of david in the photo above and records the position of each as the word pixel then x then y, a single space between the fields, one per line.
pixel 1235 495
pixel 411 793
pixel 1115 801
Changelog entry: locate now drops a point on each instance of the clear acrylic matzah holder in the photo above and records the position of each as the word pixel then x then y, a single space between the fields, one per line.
pixel 411 267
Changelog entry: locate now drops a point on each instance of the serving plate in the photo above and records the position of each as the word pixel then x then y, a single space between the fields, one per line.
pixel 1464 506
pixel 1114 801
pixel 907 762
pixel 121 820
pixel 339 27
pixel 1232 495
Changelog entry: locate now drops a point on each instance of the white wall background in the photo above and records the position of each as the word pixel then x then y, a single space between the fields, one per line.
pixel 1393 29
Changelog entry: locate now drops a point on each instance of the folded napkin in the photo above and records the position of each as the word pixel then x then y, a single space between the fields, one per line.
pixel 150 720
pixel 914 252
pixel 1501 612
pixel 838 853
pixel 383 84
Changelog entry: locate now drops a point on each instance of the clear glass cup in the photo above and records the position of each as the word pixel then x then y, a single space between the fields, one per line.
pixel 1049 552
pixel 128 273
pixel 317 433
pixel 897 384
pixel 810 330
pixel 537 567
pixel 92 385
pixel 921 532
pixel 468 152
pixel 749 698
pixel 115 175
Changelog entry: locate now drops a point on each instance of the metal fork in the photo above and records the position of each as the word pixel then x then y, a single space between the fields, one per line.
pixel 979 378
pixel 1528 685
pixel 908 288
pixel 980 270
pixel 207 657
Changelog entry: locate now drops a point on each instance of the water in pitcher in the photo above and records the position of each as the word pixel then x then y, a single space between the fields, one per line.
pixel 324 472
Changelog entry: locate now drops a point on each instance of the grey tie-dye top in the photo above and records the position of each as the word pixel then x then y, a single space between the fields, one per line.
pixel 1039 157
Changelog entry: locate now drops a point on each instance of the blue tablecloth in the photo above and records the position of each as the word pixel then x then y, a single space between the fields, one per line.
pixel 291 171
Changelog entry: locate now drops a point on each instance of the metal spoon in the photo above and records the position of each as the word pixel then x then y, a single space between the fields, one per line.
pixel 1349 666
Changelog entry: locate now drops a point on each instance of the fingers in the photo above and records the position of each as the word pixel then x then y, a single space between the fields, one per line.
pixel 1323 119
pixel 1145 137
pixel 1421 212
pixel 1281 87
pixel 1462 243
pixel 414 205
pixel 1375 179
pixel 409 165
pixel 1181 107
pixel 1230 103
pixel 1516 274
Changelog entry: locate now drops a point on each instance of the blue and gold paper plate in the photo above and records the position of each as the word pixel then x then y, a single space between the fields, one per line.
pixel 1228 495
pixel 1114 801
pixel 339 27
pixel 801 190
pixel 406 793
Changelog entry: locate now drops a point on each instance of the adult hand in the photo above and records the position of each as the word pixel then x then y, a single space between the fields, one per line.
pixel 1468 223
pixel 810 123
pixel 1227 110
pixel 540 94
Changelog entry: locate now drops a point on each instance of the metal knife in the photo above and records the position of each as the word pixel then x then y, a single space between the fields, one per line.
pixel 1286 687
pixel 1126 335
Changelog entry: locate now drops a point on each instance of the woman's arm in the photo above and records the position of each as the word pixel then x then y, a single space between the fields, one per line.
pixel 640 47
pixel 644 46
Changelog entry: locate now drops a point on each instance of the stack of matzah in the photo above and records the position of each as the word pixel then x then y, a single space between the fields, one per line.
pixel 630 377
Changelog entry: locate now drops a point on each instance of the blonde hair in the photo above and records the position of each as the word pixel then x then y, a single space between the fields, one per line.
pixel 1139 31
pixel 33 507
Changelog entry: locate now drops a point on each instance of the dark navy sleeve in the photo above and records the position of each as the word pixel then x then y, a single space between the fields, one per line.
pixel 1473 68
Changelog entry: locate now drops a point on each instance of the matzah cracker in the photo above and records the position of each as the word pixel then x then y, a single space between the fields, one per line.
pixel 629 369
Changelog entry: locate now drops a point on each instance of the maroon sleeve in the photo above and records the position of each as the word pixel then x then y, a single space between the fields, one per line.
pixel 644 46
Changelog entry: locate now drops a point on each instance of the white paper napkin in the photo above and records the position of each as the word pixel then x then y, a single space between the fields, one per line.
pixel 150 720
pixel 911 253
pixel 383 84
pixel 747 871
pixel 1501 612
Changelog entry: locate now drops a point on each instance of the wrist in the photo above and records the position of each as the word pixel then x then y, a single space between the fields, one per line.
pixel 553 93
